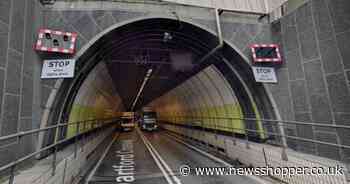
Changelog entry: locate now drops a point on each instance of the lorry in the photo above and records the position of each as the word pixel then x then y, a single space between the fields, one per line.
pixel 148 119
pixel 127 121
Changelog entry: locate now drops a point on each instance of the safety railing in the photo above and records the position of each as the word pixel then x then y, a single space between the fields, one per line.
pixel 272 131
pixel 81 129
pixel 210 132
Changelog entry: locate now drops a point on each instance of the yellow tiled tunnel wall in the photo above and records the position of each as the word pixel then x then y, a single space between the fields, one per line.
pixel 204 99
pixel 96 99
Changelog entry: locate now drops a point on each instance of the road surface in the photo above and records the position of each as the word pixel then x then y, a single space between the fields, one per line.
pixel 154 158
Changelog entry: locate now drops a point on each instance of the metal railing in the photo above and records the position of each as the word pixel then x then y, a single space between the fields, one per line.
pixel 253 154
pixel 276 136
pixel 81 129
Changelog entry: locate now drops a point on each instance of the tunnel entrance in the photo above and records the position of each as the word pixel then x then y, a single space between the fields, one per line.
pixel 155 62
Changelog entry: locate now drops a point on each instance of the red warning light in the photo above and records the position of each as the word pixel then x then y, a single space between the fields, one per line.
pixel 56 41
pixel 266 53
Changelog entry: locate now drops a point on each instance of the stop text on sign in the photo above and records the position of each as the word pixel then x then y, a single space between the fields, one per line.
pixel 58 63
pixel 58 68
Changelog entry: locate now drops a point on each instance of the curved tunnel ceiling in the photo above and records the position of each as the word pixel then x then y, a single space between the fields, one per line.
pixel 131 50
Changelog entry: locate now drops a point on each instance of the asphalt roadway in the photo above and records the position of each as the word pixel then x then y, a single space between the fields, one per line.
pixel 138 157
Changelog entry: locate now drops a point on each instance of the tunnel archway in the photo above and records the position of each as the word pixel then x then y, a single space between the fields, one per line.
pixel 189 41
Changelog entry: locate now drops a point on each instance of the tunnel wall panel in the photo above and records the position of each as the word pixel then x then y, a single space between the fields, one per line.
pixel 96 99
pixel 206 99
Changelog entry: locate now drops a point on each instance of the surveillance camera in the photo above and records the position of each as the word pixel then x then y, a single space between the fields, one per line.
pixel 47 2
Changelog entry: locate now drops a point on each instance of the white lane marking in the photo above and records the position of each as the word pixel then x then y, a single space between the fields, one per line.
pixel 215 158
pixel 155 158
pixel 101 159
pixel 175 178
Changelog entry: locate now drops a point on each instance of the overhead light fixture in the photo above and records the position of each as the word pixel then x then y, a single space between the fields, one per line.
pixel 147 76
pixel 167 37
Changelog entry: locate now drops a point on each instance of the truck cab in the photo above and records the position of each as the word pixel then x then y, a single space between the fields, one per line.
pixel 127 121
pixel 148 120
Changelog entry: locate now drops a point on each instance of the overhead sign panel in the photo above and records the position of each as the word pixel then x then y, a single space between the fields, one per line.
pixel 58 68
pixel 264 74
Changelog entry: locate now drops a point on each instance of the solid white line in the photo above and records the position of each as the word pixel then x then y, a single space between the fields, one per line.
pixel 101 159
pixel 175 178
pixel 215 158
pixel 155 158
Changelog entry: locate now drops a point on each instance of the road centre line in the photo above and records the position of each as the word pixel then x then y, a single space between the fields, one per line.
pixel 166 175
pixel 175 178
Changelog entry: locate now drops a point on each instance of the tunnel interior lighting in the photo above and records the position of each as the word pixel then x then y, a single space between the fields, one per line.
pixel 147 76
pixel 167 37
